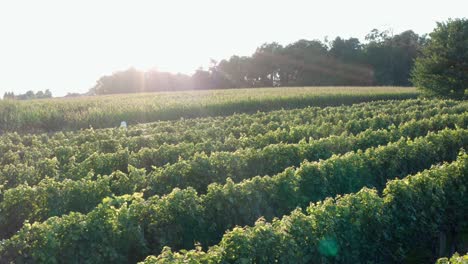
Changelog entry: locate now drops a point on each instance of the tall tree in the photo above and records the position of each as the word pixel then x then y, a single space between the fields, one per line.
pixel 347 50
pixel 303 63
pixel 265 66
pixel 442 69
pixel 236 70
pixel 392 56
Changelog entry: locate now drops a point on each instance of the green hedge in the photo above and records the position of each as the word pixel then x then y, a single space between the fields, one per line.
pixel 125 229
pixel 399 226
pixel 53 198
pixel 29 158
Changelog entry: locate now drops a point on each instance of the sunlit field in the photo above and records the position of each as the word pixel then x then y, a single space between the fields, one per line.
pixel 108 111
pixel 233 132
pixel 337 181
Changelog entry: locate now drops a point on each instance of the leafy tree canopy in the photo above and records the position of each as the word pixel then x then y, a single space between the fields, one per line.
pixel 442 70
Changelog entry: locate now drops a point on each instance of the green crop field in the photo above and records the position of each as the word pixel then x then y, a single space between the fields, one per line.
pixel 271 175
pixel 50 115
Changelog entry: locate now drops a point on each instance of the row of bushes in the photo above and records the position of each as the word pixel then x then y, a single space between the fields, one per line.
pixel 201 170
pixel 51 197
pixel 219 130
pixel 126 228
pixel 404 225
pixel 62 159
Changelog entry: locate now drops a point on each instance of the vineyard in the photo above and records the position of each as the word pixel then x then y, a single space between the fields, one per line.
pixel 299 177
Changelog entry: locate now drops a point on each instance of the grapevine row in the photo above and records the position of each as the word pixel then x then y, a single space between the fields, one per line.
pixel 30 166
pixel 51 197
pixel 356 228
pixel 126 228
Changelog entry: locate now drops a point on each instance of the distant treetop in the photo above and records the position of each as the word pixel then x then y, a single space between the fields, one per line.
pixel 28 95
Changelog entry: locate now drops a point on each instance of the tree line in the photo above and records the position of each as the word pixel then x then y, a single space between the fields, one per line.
pixel 28 95
pixel 383 59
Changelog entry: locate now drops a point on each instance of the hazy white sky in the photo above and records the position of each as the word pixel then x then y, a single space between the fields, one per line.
pixel 65 46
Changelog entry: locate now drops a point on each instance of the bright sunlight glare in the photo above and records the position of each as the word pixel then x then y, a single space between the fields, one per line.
pixel 66 46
